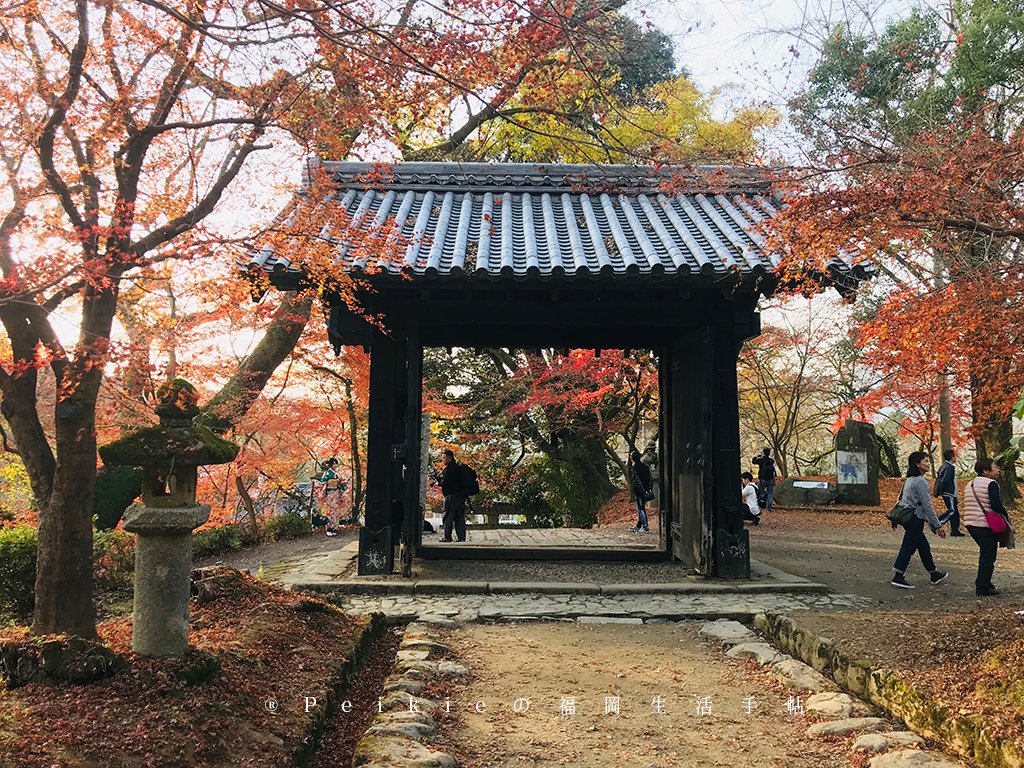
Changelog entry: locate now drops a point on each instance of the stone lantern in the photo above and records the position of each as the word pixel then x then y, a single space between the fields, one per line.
pixel 169 455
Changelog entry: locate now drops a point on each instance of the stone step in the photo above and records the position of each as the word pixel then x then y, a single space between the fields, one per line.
pixel 438 587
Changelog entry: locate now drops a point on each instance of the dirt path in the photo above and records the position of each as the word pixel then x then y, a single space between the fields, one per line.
pixel 544 662
pixel 270 553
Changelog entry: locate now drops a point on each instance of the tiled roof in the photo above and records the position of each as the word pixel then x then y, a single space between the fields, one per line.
pixel 493 221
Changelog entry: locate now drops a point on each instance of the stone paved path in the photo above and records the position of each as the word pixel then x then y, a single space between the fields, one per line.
pixel 615 537
pixel 636 607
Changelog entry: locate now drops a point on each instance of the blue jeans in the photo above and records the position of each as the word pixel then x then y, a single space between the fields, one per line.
pixel 641 514
pixel 952 512
pixel 914 540
pixel 767 488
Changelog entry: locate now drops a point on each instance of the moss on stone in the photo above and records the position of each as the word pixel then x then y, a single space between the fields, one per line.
pixel 157 446
pixel 178 399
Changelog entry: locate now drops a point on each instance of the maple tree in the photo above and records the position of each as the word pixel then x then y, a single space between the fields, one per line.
pixel 131 124
pixel 562 414
pixel 787 393
pixel 915 169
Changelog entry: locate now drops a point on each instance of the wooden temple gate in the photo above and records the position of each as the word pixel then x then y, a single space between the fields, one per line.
pixel 529 256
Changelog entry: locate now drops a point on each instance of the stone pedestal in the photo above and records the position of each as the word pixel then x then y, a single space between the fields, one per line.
pixel 857 464
pixel 163 565
pixel 732 554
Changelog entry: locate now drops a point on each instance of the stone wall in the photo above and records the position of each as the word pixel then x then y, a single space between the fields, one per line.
pixel 963 733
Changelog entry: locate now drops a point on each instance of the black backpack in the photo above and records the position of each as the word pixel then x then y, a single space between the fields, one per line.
pixel 470 482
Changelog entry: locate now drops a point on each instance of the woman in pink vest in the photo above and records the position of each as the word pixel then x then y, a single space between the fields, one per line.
pixel 982 496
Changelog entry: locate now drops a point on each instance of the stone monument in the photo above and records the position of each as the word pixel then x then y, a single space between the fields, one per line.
pixel 169 455
pixel 857 464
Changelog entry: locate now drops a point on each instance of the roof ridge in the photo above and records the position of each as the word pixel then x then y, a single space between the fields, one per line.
pixel 574 178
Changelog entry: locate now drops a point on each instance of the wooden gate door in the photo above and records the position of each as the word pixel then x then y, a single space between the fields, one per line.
pixel 689 455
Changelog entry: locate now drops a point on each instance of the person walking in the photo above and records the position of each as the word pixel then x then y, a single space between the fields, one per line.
pixel 333 488
pixel 749 495
pixel 945 488
pixel 915 495
pixel 643 491
pixel 765 476
pixel 982 496
pixel 454 497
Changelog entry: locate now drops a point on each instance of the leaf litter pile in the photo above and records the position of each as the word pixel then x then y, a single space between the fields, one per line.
pixel 270 643
pixel 970 661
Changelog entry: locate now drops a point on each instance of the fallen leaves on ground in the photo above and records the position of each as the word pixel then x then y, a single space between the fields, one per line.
pixel 145 717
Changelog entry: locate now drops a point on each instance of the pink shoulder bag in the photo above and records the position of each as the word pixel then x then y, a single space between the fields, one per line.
pixel 995 521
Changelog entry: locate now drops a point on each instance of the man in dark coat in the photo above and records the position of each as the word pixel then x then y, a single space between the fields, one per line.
pixel 643 486
pixel 454 497
pixel 765 476
pixel 945 488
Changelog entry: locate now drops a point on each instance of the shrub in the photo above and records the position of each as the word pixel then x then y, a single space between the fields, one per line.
pixel 526 494
pixel 18 546
pixel 113 559
pixel 215 541
pixel 286 526
pixel 116 489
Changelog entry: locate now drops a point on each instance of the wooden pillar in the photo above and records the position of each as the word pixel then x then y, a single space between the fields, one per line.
pixel 411 466
pixel 732 544
pixel 383 466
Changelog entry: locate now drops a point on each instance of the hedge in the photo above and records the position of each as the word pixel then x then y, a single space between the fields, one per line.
pixel 116 489
pixel 286 526
pixel 214 541
pixel 113 556
pixel 18 545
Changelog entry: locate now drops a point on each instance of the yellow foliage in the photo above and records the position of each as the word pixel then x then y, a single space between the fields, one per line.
pixel 674 122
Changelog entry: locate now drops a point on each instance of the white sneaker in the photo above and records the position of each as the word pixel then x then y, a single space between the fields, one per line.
pixel 332 533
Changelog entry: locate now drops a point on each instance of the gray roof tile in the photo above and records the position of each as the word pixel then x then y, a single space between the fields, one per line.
pixel 492 221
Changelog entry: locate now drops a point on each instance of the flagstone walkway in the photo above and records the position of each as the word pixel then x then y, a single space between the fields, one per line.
pixel 610 537
pixel 590 608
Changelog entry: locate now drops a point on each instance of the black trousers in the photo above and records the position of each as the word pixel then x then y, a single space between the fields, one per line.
pixel 455 515
pixel 988 546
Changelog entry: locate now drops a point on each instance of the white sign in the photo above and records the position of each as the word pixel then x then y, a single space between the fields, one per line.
pixel 851 467
pixel 810 484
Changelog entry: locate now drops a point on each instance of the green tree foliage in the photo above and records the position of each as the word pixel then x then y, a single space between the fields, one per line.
pixel 629 103
pixel 116 489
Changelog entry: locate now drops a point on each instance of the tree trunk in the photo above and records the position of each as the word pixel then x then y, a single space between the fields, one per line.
pixel 237 396
pixel 584 469
pixel 990 442
pixel 887 454
pixel 353 437
pixel 252 526
pixel 945 422
pixel 64 566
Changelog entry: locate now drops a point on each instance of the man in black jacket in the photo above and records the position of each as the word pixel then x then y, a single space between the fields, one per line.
pixel 765 476
pixel 454 497
pixel 945 487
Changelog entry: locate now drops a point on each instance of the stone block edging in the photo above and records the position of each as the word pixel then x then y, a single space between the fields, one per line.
pixel 402 730
pixel 964 734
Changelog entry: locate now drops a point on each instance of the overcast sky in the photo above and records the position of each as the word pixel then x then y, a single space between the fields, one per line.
pixel 757 50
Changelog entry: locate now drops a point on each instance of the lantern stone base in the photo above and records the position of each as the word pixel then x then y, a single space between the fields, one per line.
pixel 163 564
